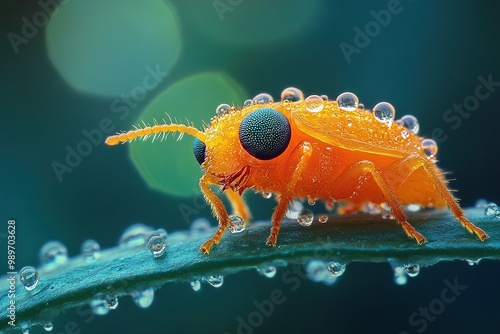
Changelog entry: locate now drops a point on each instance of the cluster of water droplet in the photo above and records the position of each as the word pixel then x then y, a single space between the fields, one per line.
pixel 402 272
pixel 102 303
pixel 492 210
pixel 324 272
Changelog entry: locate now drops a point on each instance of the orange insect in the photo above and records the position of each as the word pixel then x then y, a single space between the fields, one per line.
pixel 314 148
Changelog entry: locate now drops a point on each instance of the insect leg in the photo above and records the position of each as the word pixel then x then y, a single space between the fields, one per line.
pixel 346 183
pixel 218 210
pixel 238 204
pixel 405 167
pixel 303 152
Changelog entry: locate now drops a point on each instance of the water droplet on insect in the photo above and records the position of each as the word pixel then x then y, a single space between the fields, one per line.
pixel 384 112
pixel 143 298
pixel 429 147
pixel 98 304
pixel 323 219
pixel 292 94
pixel 267 271
pixel 361 106
pixel 294 208
pixel 481 204
pixel 336 269
pixel 411 123
pixel 267 195
pixel 248 102
pixel 90 250
pixel 236 224
pixel 399 275
pixel 135 235
pixel 195 285
pixel 348 101
pixel 157 245
pixel 222 109
pixel 305 218
pixel 412 270
pixel 53 254
pixel 215 280
pixel 48 326
pixel 311 201
pixel 29 277
pixel 491 209
pixel 324 97
pixel 314 103
pixel 200 225
pixel 111 301
pixel 262 98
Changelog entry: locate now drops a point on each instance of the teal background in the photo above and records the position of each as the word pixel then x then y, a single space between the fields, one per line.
pixel 427 58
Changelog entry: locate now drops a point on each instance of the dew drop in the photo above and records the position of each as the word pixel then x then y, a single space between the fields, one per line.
pixel 481 204
pixel 384 112
pixel 323 219
pixel 336 269
pixel 411 123
pixel 200 225
pixel 294 208
pixel 311 201
pixel 248 102
pixel 29 277
pixel 292 94
pixel 135 235
pixel 399 275
pixel 371 208
pixel 266 194
pixel 111 301
pixel 387 215
pixel 222 109
pixel 143 298
pixel 317 271
pixel 262 98
pixel 413 208
pixel 361 106
pixel 324 97
pixel 157 245
pixel 98 304
pixel 429 147
pixel 305 218
pixel 25 328
pixel 90 250
pixel 473 262
pixel 236 224
pixel 267 271
pixel 314 103
pixel 348 101
pixel 53 254
pixel 195 285
pixel 412 270
pixel 491 209
pixel 215 280
pixel 48 326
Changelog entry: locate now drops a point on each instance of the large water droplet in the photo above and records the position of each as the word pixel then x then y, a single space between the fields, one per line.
pixel 294 209
pixel 222 109
pixel 384 112
pixel 200 225
pixel 90 250
pixel 48 326
pixel 314 103
pixel 491 209
pixel 348 101
pixel 157 245
pixel 195 285
pixel 411 123
pixel 305 218
pixel 412 270
pixel 292 94
pixel 336 269
pixel 98 304
pixel 143 298
pixel 267 271
pixel 29 277
pixel 135 235
pixel 429 147
pixel 236 224
pixel 215 280
pixel 53 254
pixel 262 98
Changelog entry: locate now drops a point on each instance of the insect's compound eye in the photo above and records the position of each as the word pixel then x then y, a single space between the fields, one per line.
pixel 265 133
pixel 199 150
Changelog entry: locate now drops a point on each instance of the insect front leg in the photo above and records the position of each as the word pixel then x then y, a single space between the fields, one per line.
pixel 346 183
pixel 218 209
pixel 399 171
pixel 238 204
pixel 301 155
